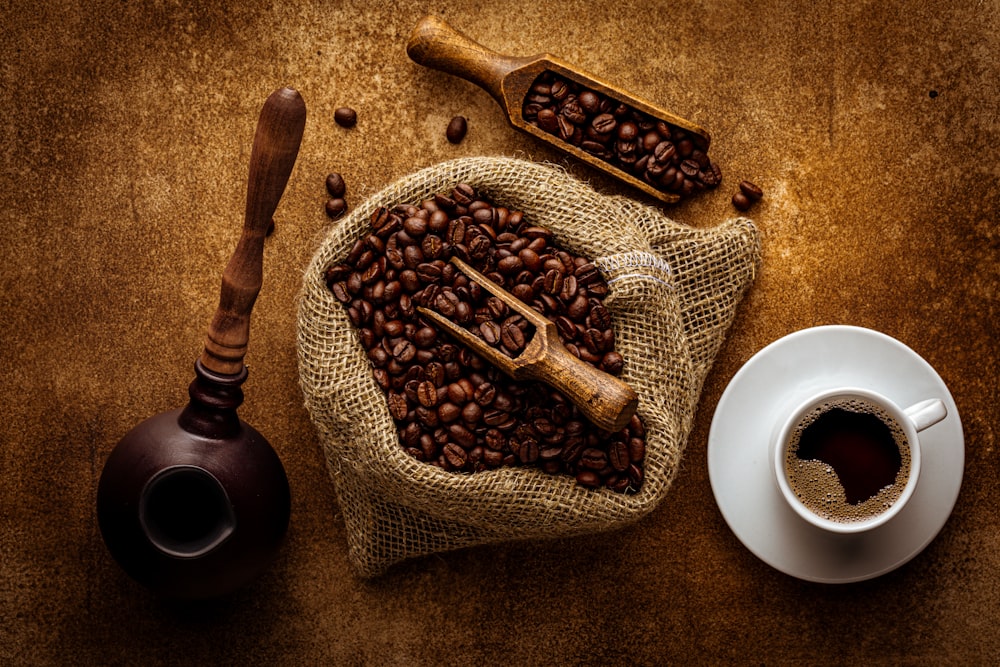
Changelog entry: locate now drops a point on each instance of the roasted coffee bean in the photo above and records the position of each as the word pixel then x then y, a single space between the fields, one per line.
pixel 448 412
pixel 637 446
pixel 455 456
pixel 398 406
pixel 547 120
pixel 415 227
pixel 593 458
pixel 484 394
pixel 427 394
pixel 490 331
pixel 589 101
pixel 587 274
pixel 613 363
pixel 527 450
pixel 463 194
pixel 751 190
pixel 456 129
pixel 594 340
pixel 512 338
pixel 335 185
pixel 462 435
pixel 690 168
pixel 588 478
pixel 472 413
pixel 335 207
pixel 345 116
pixel 573 449
pixel 404 351
pixel 635 476
pixel 741 202
pixel 618 455
pixel 712 175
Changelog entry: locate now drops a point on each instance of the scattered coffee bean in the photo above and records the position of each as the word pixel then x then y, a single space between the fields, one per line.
pixel 345 117
pixel 741 201
pixel 451 408
pixel 457 129
pixel 667 157
pixel 751 190
pixel 335 207
pixel 335 185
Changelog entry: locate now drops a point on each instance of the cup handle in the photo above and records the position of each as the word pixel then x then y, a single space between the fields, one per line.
pixel 926 413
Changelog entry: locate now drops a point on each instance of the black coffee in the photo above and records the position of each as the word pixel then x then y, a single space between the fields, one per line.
pixel 848 461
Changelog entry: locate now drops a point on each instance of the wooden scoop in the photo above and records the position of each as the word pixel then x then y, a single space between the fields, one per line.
pixel 605 400
pixel 435 44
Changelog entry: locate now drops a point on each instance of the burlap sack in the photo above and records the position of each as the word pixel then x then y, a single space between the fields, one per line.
pixel 674 290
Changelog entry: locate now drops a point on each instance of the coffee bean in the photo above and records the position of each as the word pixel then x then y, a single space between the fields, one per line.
pixel 427 394
pixel 637 445
pixel 455 456
pixel 345 116
pixel 527 450
pixel 613 363
pixel 335 207
pixel 512 338
pixel 588 478
pixel 457 129
pixel 618 455
pixel 335 185
pixel 398 406
pixel 593 458
pixel 589 101
pixel 752 191
pixel 490 331
pixel 741 201
pixel 604 124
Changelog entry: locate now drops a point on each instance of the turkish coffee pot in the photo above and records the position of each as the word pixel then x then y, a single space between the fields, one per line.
pixel 195 503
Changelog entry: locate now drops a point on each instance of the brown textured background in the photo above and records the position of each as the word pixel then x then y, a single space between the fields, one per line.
pixel 126 130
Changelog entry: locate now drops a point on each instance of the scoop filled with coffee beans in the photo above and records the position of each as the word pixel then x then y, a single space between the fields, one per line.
pixel 653 150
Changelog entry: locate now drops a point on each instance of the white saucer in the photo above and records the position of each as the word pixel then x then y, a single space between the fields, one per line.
pixel 785 373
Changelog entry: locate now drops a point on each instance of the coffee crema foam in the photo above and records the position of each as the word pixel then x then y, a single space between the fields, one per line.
pixel 816 483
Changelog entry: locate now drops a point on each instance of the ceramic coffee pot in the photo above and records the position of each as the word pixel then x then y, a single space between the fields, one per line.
pixel 194 503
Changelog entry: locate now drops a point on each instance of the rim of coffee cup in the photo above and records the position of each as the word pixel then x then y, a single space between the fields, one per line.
pixel 792 421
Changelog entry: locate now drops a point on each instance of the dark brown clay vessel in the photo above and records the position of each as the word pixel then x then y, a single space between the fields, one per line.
pixel 194 503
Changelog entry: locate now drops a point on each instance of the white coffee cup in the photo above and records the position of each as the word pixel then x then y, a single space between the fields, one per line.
pixel 814 489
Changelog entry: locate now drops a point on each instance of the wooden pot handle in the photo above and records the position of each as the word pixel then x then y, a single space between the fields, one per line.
pixel 275 148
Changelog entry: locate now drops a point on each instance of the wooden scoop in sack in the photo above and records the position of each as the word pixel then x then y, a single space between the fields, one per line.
pixel 605 400
pixel 435 44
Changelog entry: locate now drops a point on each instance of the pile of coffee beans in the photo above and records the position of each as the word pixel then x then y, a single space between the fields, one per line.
pixel 451 408
pixel 663 155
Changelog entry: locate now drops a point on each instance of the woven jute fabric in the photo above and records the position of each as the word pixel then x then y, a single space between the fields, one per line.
pixel 674 292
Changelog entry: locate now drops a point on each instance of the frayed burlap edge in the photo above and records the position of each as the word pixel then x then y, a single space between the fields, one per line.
pixel 674 293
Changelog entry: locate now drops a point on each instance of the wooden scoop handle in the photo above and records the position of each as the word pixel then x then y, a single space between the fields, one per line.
pixel 606 401
pixel 275 148
pixel 435 44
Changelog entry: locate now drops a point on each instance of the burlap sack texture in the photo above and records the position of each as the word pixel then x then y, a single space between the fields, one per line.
pixel 674 292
